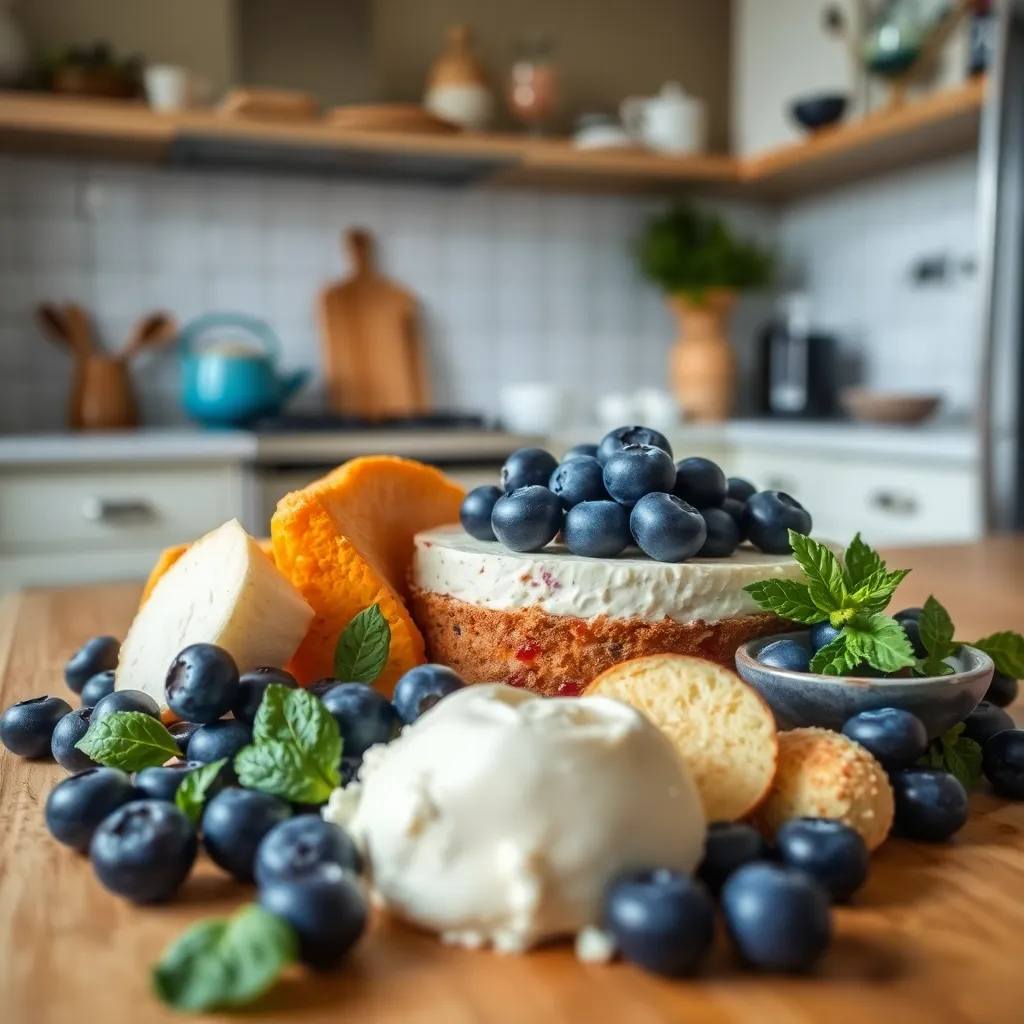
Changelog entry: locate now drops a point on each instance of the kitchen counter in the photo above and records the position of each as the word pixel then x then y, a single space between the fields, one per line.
pixel 933 936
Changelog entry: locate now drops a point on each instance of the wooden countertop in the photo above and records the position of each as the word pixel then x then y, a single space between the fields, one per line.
pixel 935 935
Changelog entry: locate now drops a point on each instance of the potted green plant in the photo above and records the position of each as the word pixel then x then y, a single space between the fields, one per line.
pixel 695 259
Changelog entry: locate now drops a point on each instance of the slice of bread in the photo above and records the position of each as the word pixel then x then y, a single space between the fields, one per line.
pixel 824 774
pixel 720 727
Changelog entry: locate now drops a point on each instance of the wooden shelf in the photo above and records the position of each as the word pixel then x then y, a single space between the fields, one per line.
pixel 931 128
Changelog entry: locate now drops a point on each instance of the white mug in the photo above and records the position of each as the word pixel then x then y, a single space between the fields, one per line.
pixel 170 87
pixel 533 408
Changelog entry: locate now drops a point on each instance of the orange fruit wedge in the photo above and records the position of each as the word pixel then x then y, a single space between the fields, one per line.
pixel 169 556
pixel 346 543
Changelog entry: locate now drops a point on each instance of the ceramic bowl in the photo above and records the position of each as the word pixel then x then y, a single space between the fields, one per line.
pixel 799 699
pixel 869 406
pixel 816 112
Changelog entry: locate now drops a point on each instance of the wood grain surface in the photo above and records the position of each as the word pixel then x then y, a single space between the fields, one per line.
pixel 935 936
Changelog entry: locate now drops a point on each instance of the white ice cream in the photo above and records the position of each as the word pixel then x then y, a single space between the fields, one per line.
pixel 500 817
pixel 449 561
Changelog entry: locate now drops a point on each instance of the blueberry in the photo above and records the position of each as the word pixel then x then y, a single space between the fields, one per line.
pixel 790 655
pixel 580 449
pixel 527 467
pixel 321 686
pixel 828 850
pixel 636 470
pixel 823 633
pixel 296 846
pixel 723 535
pixel 616 440
pixel 527 519
pixel 364 716
pixel 96 655
pixel 76 807
pixel 68 731
pixel 579 479
pixel 26 728
pixel 1003 763
pixel 666 528
pixel 144 851
pixel 701 482
pixel 251 687
pixel 202 683
pixel 234 824
pixel 729 845
pixel 215 740
pixel 124 700
pixel 735 509
pixel 661 920
pixel 739 489
pixel 327 909
pixel 163 783
pixel 597 529
pixel 931 805
pixel 1002 691
pixel 421 688
pixel 97 687
pixel 182 733
pixel 984 722
pixel 895 737
pixel 769 516
pixel 913 630
pixel 475 513
pixel 908 613
pixel 777 916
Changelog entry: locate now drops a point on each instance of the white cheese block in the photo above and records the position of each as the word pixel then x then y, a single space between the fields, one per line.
pixel 224 590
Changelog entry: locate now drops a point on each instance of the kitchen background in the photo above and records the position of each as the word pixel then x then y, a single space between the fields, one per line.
pixel 515 285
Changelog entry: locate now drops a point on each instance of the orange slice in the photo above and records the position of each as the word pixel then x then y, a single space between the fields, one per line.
pixel 346 543
pixel 169 556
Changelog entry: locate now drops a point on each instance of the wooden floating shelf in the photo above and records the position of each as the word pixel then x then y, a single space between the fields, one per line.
pixel 936 126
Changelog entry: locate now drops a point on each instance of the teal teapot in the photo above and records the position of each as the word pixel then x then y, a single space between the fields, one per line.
pixel 233 381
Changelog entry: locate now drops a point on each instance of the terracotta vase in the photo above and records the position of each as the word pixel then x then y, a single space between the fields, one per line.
pixel 702 364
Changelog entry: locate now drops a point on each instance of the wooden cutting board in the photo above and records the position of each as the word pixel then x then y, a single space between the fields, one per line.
pixel 373 349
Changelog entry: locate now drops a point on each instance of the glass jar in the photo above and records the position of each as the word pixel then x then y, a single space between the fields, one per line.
pixel 533 84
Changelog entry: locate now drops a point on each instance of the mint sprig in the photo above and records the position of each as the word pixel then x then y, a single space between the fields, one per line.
pixel 128 740
pixel 190 797
pixel 1006 649
pixel 363 647
pixel 296 748
pixel 850 596
pixel 225 962
pixel 936 628
pixel 956 754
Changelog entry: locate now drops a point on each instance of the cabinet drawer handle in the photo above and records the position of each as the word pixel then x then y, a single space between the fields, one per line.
pixel 106 510
pixel 897 504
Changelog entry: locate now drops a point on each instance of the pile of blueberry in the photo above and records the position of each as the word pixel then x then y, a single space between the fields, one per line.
pixel 627 490
pixel 143 847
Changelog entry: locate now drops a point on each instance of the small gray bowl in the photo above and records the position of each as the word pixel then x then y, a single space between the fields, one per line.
pixel 799 699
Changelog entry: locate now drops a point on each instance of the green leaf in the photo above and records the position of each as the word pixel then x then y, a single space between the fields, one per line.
pixel 882 643
pixel 363 647
pixel 824 574
pixel 936 631
pixel 191 795
pixel 956 754
pixel 875 592
pixel 225 962
pixel 128 740
pixel 296 751
pixel 1006 649
pixel 835 658
pixel 787 599
pixel 862 562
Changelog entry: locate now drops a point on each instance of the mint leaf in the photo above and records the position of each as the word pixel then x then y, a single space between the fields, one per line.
pixel 191 795
pixel 128 740
pixel 225 962
pixel 1006 650
pixel 936 631
pixel 881 642
pixel 835 658
pixel 862 562
pixel 296 750
pixel 956 754
pixel 875 592
pixel 824 574
pixel 363 647
pixel 787 599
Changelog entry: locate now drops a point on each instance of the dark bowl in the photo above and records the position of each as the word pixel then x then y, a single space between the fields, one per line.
pixel 799 699
pixel 816 112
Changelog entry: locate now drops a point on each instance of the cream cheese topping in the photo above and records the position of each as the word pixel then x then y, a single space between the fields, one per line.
pixel 449 561
pixel 499 817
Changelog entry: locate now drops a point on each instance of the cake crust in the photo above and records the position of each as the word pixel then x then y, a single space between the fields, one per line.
pixel 559 655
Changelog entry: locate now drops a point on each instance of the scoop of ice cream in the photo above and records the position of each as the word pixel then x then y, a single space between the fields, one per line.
pixel 499 817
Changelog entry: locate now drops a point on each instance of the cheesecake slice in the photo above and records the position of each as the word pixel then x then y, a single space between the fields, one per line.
pixel 552 621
